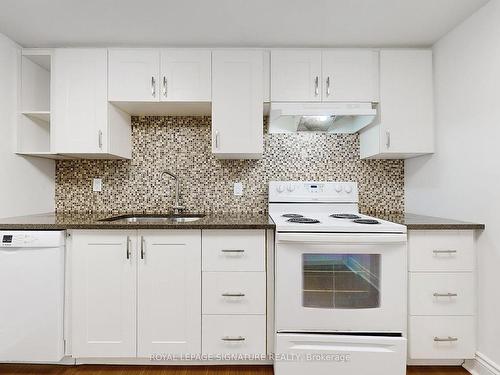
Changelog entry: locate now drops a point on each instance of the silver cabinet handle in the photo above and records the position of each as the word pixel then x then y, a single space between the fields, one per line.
pixel 128 247
pixel 445 339
pixel 217 139
pixel 99 139
pixel 445 294
pixel 143 247
pixel 328 86
pixel 233 338
pixel 316 86
pixel 165 86
pixel 444 251
pixel 232 251
pixel 153 86
pixel 388 139
pixel 233 294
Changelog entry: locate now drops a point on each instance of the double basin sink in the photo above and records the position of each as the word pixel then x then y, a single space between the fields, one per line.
pixel 172 218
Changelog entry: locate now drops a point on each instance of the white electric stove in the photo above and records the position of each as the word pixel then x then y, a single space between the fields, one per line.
pixel 297 206
pixel 340 283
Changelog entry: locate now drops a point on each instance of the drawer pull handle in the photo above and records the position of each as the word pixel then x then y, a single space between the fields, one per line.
pixel 232 251
pixel 445 339
pixel 444 251
pixel 233 294
pixel 445 294
pixel 231 338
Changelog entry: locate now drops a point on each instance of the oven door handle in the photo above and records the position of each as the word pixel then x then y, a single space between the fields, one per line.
pixel 342 238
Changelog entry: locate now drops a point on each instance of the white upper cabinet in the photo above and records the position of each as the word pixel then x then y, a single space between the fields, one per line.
pixel 103 294
pixel 134 75
pixel 185 75
pixel 237 104
pixel 296 75
pixel 152 75
pixel 313 75
pixel 350 75
pixel 169 292
pixel 80 105
pixel 405 123
pixel 83 122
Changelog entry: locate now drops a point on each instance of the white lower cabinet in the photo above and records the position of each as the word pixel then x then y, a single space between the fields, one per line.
pixel 103 291
pixel 441 323
pixel 234 294
pixel 135 293
pixel 169 292
pixel 233 334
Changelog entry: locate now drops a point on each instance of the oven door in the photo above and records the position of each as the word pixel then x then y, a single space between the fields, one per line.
pixel 331 282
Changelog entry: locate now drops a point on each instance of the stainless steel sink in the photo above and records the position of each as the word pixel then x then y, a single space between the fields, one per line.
pixel 155 219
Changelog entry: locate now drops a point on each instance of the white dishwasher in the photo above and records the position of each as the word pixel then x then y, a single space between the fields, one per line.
pixel 31 296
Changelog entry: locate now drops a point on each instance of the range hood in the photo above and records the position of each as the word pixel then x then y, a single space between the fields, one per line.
pixel 320 117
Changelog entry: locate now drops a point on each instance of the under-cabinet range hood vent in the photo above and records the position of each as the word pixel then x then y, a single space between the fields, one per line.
pixel 320 117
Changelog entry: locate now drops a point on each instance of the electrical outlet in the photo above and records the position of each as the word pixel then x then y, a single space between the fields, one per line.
pixel 238 188
pixel 97 185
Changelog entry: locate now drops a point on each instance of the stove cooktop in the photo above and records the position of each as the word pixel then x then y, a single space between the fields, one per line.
pixel 310 220
pixel 322 206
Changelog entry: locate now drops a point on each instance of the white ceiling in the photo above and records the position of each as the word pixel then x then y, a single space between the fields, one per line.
pixel 259 23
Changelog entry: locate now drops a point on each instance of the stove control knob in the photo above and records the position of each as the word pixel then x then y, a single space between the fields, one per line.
pixel 280 188
pixel 290 187
pixel 348 189
pixel 338 188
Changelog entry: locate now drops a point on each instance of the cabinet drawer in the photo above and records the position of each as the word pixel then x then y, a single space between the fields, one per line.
pixel 446 251
pixel 234 334
pixel 234 292
pixel 442 293
pixel 234 250
pixel 426 331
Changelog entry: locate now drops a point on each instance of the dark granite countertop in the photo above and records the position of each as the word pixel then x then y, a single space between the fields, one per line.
pixel 62 221
pixel 79 220
pixel 422 222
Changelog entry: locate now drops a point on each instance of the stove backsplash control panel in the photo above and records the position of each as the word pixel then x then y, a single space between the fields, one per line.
pixel 296 191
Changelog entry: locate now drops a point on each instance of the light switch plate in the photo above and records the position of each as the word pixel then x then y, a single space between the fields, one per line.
pixel 97 185
pixel 238 188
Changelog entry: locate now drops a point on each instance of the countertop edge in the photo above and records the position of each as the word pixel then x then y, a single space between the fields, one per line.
pixel 465 226
pixel 46 227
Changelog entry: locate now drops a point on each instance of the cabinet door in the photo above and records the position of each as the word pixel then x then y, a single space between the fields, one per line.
pixel 103 293
pixel 237 104
pixel 169 295
pixel 80 107
pixel 186 75
pixel 134 75
pixel 350 75
pixel 404 127
pixel 296 75
pixel 406 101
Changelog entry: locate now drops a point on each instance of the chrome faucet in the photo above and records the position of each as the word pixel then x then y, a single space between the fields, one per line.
pixel 177 207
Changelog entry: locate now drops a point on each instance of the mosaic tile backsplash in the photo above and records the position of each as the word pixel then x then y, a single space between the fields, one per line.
pixel 182 145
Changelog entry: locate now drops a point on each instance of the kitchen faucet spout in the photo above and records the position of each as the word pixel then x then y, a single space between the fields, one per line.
pixel 177 207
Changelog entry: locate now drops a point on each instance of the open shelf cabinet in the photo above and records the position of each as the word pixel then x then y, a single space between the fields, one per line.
pixel 33 131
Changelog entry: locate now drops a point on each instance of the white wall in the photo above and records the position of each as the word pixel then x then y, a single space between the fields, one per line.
pixel 26 184
pixel 462 179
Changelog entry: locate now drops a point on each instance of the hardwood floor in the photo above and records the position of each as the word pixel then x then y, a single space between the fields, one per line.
pixel 185 370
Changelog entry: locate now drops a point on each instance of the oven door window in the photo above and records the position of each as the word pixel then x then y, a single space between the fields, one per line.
pixel 341 281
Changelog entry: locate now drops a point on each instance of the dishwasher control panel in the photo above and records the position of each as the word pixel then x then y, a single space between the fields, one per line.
pixel 31 239
pixel 11 239
pixel 7 238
